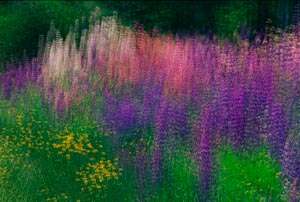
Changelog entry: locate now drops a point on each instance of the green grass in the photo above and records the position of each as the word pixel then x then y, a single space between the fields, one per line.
pixel 181 176
pixel 35 162
pixel 248 176
pixel 34 169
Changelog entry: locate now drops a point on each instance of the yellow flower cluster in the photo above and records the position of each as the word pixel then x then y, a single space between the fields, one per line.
pixel 11 152
pixel 22 137
pixel 12 158
pixel 74 143
pixel 27 137
pixel 63 141
pixel 94 176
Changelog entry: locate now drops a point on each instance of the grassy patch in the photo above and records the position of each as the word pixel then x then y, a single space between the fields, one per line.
pixel 248 176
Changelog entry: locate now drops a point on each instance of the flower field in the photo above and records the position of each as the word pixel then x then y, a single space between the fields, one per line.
pixel 114 114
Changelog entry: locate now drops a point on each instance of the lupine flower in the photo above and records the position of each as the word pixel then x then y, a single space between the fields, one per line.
pixel 140 167
pixel 160 137
pixel 236 122
pixel 126 115
pixel 291 158
pixel 276 129
pixel 204 152
pixel 7 84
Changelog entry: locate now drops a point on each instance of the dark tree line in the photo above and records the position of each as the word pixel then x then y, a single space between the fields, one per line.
pixel 21 22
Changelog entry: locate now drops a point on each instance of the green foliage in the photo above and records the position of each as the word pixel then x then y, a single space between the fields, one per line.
pixel 180 177
pixel 234 16
pixel 247 176
pixel 22 22
pixel 167 16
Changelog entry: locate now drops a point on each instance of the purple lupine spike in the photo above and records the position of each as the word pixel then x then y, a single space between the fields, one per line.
pixel 278 130
pixel 171 128
pixel 140 166
pixel 16 77
pixel 146 115
pixel 126 115
pixel 170 119
pixel 108 115
pixel 156 159
pixel 291 158
pixel 181 120
pixel 20 77
pixel 253 111
pixel 195 131
pixel 150 103
pixel 204 152
pixel 236 117
pixel 160 134
pixel 224 112
pixel 59 102
pixel 7 84
pixel 33 72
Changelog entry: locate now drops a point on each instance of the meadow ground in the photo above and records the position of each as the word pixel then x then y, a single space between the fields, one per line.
pixel 125 116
